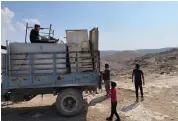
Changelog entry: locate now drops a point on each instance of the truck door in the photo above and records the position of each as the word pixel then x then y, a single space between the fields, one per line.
pixel 94 42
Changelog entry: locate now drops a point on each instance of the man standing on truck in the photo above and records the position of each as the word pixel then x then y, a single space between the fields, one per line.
pixel 138 78
pixel 35 37
pixel 106 78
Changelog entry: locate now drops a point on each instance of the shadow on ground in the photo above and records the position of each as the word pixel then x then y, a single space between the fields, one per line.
pixel 130 107
pixel 40 113
pixel 97 100
pixel 43 113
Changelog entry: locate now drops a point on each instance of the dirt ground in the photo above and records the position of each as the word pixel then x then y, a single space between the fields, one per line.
pixel 160 104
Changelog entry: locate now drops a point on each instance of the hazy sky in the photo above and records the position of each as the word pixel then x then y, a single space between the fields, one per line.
pixel 122 25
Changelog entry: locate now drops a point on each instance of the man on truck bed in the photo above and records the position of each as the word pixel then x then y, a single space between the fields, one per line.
pixel 106 78
pixel 34 36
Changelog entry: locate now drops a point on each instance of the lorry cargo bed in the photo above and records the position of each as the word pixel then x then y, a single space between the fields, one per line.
pixel 33 78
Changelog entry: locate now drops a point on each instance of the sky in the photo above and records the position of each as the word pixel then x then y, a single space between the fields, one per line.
pixel 122 25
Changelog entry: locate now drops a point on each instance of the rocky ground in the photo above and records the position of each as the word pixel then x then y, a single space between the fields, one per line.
pixel 160 104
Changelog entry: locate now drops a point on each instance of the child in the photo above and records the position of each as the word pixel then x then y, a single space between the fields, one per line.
pixel 113 95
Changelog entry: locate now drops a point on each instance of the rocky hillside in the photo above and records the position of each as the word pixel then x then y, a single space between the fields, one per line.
pixel 122 56
pixel 160 63
pixel 145 51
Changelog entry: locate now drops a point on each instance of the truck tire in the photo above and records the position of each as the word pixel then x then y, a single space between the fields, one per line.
pixel 69 102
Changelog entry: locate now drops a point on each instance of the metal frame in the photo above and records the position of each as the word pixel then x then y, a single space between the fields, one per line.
pixel 91 46
pixel 50 29
pixel 30 55
pixel 46 80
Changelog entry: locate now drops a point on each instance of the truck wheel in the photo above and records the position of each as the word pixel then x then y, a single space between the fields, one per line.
pixel 69 102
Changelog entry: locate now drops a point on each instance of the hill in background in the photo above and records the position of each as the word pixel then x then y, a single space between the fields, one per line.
pixel 122 63
pixel 145 51
pixel 122 56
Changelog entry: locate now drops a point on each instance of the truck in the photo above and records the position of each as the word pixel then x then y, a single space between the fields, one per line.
pixel 30 69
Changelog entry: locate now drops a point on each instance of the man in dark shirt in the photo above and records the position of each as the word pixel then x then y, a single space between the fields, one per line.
pixel 138 78
pixel 106 78
pixel 34 36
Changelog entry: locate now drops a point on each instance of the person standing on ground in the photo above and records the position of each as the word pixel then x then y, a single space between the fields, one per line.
pixel 100 83
pixel 138 78
pixel 106 78
pixel 113 96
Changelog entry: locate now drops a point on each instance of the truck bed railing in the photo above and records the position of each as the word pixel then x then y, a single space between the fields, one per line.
pixel 30 66
pixel 62 52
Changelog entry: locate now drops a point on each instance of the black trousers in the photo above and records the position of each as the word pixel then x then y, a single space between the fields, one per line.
pixel 114 111
pixel 137 86
pixel 43 40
